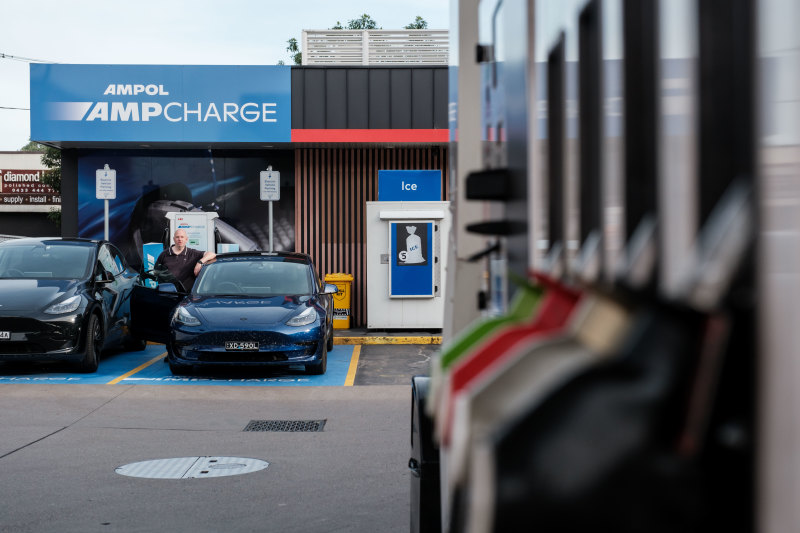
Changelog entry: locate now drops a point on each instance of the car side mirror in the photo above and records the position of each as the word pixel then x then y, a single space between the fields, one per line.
pixel 167 287
pixel 330 288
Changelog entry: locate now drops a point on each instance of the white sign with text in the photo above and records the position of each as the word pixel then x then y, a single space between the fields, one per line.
pixel 270 185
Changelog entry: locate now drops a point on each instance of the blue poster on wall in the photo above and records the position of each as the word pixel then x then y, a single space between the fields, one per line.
pixel 152 184
pixel 411 261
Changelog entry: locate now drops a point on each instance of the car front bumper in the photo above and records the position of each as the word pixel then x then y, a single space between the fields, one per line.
pixel 41 339
pixel 275 348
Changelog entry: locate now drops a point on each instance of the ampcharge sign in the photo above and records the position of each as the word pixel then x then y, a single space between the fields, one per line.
pixel 25 187
pixel 160 103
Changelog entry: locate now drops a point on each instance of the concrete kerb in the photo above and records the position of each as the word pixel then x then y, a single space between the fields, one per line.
pixel 388 339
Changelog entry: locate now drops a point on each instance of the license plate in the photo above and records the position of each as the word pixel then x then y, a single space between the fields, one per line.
pixel 241 346
pixel 5 335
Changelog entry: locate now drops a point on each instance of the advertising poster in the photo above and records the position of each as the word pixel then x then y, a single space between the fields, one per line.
pixel 411 260
pixel 25 187
pixel 151 184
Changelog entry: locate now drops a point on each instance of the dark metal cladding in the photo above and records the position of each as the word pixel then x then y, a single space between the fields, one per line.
pixel 369 97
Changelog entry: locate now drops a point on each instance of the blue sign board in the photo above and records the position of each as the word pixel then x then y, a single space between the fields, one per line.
pixel 411 262
pixel 409 185
pixel 160 103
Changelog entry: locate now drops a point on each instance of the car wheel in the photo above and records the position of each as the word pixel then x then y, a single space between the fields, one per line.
pixel 135 344
pixel 94 343
pixel 178 369
pixel 330 340
pixel 321 366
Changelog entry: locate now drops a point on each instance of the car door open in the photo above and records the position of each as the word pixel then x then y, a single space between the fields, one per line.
pixel 152 307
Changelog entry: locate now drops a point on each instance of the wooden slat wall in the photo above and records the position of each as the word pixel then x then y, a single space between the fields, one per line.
pixel 332 186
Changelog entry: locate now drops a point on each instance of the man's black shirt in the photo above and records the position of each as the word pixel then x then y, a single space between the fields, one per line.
pixel 181 265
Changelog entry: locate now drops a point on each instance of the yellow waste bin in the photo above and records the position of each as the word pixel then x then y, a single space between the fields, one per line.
pixel 341 300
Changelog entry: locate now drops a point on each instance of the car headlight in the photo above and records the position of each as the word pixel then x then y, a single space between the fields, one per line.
pixel 183 316
pixel 67 306
pixel 306 317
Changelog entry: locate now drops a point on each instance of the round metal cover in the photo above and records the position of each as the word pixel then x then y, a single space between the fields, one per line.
pixel 192 467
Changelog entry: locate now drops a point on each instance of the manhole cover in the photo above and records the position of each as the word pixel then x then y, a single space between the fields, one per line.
pixel 192 467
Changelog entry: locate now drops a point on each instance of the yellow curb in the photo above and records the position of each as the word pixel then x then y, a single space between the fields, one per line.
pixel 351 372
pixel 388 340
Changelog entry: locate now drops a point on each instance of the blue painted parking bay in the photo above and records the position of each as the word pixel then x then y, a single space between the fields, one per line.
pixel 147 367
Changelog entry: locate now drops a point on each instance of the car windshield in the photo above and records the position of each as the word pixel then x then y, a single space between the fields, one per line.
pixel 254 277
pixel 49 260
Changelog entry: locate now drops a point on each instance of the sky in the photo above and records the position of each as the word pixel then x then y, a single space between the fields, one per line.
pixel 168 32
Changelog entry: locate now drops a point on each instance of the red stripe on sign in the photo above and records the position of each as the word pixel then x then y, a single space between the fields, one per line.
pixel 373 136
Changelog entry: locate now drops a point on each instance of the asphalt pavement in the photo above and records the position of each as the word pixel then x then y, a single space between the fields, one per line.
pixel 63 444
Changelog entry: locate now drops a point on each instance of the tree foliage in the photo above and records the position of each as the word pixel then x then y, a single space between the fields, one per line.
pixel 51 159
pixel 364 22
pixel 418 24
pixel 33 146
pixel 294 51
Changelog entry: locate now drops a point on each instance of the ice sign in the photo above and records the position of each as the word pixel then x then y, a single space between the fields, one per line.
pixel 106 188
pixel 270 185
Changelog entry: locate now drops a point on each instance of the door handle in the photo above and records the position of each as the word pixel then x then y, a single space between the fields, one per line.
pixel 413 465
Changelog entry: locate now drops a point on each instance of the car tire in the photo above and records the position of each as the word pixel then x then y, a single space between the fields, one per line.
pixel 93 345
pixel 178 369
pixel 330 340
pixel 135 344
pixel 319 368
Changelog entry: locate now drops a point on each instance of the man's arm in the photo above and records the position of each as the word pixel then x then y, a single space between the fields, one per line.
pixel 207 258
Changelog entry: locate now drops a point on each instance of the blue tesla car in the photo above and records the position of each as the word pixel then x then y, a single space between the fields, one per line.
pixel 245 309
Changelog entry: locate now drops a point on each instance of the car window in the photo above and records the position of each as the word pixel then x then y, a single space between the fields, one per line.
pixel 45 260
pixel 255 277
pixel 106 258
pixel 119 259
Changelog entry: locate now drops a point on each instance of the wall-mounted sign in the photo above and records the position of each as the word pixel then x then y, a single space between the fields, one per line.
pixel 409 185
pixel 25 187
pixel 411 259
pixel 160 103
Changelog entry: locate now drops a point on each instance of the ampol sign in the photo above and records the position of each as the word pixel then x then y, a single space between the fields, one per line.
pixel 160 103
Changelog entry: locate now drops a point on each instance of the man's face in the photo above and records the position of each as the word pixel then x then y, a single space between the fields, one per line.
pixel 180 238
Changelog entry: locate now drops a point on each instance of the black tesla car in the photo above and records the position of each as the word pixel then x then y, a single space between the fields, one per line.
pixel 64 300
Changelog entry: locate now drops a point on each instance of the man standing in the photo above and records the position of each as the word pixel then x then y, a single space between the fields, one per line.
pixel 184 262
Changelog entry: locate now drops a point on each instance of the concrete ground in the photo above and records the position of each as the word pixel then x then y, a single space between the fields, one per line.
pixel 60 446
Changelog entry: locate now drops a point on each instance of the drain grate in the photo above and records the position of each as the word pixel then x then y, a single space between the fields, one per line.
pixel 285 425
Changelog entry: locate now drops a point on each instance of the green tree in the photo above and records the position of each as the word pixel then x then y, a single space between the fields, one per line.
pixel 365 22
pixel 51 159
pixel 33 146
pixel 418 24
pixel 294 52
